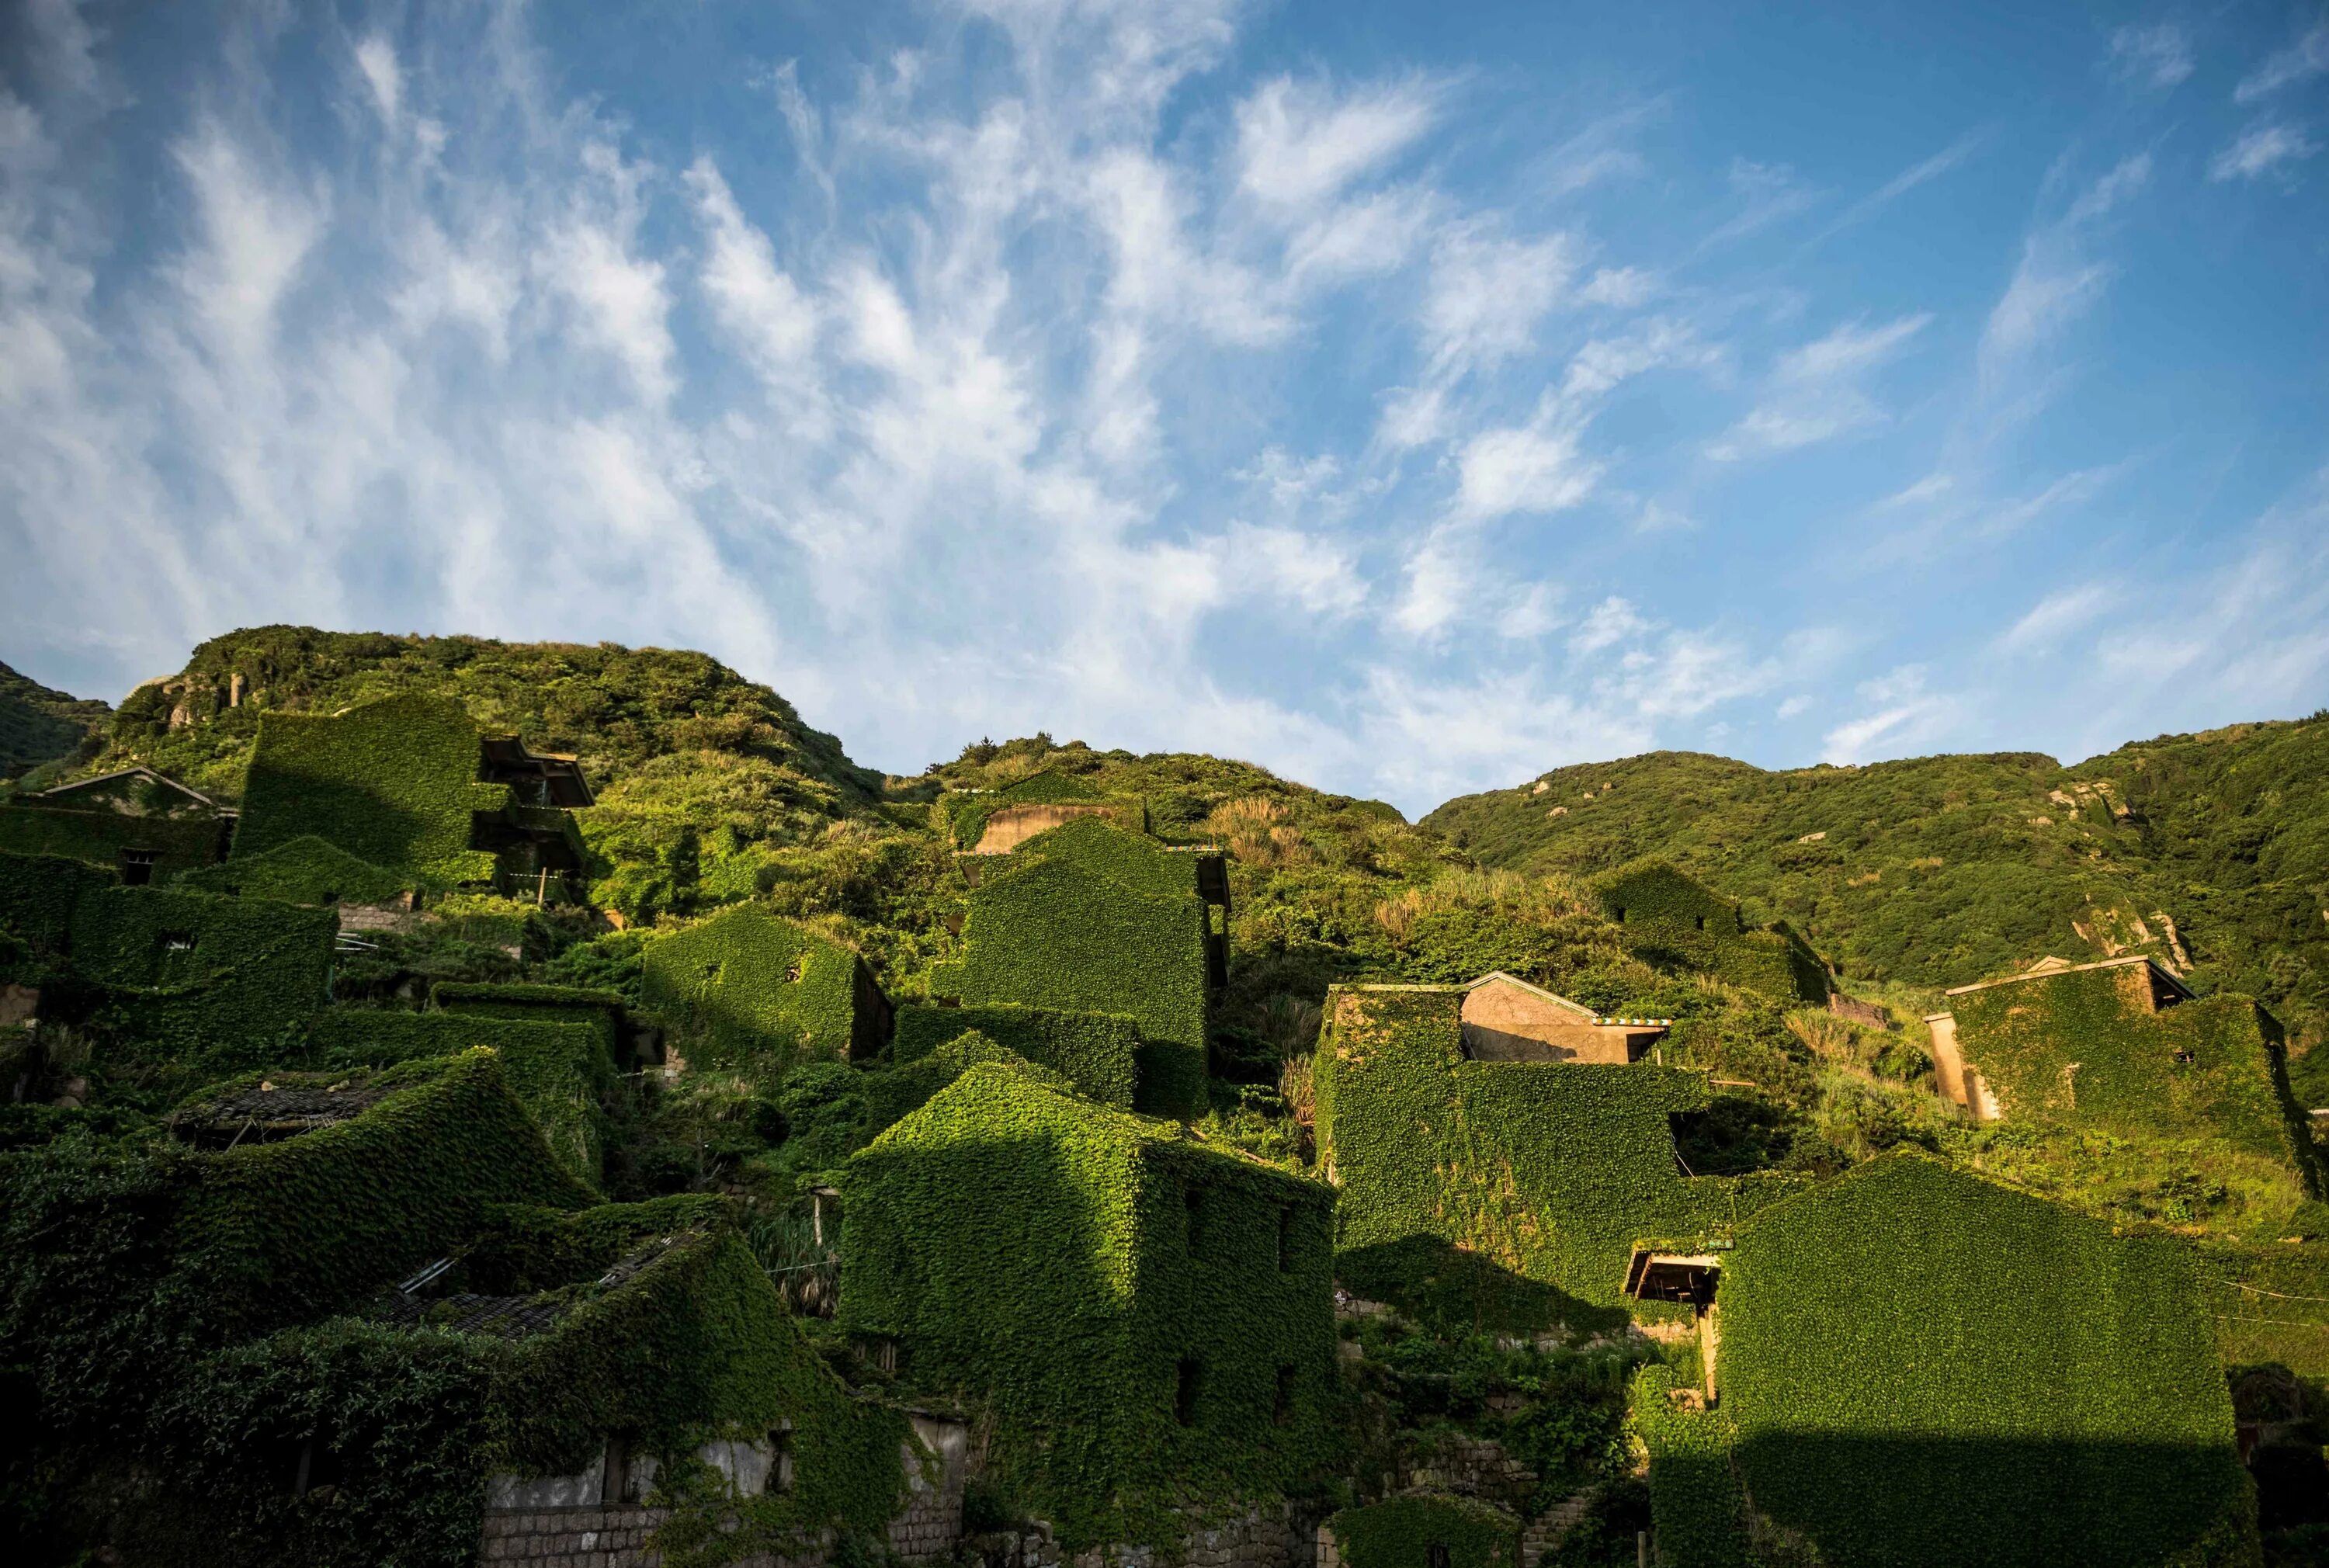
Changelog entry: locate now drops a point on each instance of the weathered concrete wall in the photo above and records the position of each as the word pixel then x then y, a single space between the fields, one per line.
pixel 1012 826
pixel 1503 1023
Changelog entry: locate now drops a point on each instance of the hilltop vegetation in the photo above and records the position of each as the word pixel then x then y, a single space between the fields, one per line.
pixel 38 725
pixel 2210 852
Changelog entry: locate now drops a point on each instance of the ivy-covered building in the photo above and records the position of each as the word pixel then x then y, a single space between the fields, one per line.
pixel 2123 1046
pixel 1514 1191
pixel 1668 915
pixel 409 786
pixel 996 821
pixel 750 989
pixel 1090 917
pixel 1921 1366
pixel 142 824
pixel 1150 1321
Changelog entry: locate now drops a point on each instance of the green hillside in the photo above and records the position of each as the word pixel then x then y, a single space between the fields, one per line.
pixel 2210 852
pixel 39 724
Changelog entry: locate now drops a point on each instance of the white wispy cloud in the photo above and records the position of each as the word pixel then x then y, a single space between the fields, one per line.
pixel 1819 390
pixel 1904 716
pixel 2260 150
pixel 2058 278
pixel 2158 54
pixel 2302 60
pixel 2056 615
pixel 1301 144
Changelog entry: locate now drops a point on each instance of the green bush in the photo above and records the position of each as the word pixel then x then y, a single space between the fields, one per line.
pixel 283 1233
pixel 757 992
pixel 1696 1505
pixel 1152 1252
pixel 1053 933
pixel 1400 1532
pixel 392 781
pixel 306 870
pixel 1926 1368
pixel 1667 916
pixel 1551 1172
pixel 1098 1052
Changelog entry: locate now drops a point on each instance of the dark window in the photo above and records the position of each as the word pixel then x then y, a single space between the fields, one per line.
pixel 1184 1394
pixel 2184 1056
pixel 1195 1198
pixel 1618 915
pixel 793 974
pixel 712 972
pixel 616 1480
pixel 178 942
pixel 780 1462
pixel 1285 1237
pixel 1436 1555
pixel 1702 923
pixel 138 866
pixel 1282 1410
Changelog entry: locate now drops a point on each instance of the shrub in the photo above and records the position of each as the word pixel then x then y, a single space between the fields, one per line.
pixel 1671 917
pixel 1402 1533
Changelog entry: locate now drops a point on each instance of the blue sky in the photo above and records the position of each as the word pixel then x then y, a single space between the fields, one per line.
pixel 1410 398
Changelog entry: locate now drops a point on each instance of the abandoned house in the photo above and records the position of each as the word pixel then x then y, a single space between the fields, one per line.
pixel 1507 1020
pixel 143 824
pixel 407 783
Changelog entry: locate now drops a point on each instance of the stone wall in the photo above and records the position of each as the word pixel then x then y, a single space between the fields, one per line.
pixel 1263 1538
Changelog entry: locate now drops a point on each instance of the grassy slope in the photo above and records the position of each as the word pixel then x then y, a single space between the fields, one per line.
pixel 1945 870
pixel 39 724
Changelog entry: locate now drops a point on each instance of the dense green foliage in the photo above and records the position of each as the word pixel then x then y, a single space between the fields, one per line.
pixel 40 725
pixel 1182 1338
pixel 2087 1049
pixel 306 869
pixel 754 992
pixel 1071 931
pixel 967 812
pixel 1096 1052
pixel 1550 1171
pixel 392 783
pixel 1670 917
pixel 1400 1532
pixel 177 844
pixel 277 1233
pixel 557 1065
pixel 1907 1340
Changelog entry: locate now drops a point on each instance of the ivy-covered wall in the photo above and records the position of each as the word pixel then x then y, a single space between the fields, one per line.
pixel 2083 1049
pixel 556 1067
pixel 1925 1368
pixel 756 992
pixel 2270 1303
pixel 1146 1317
pixel 98 836
pixel 1132 859
pixel 1053 931
pixel 302 870
pixel 1400 1532
pixel 1548 1171
pixel 283 1233
pixel 606 1013
pixel 1668 915
pixel 188 984
pixel 394 783
pixel 1098 1052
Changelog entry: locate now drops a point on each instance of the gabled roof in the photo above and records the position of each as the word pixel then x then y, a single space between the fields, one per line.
pixel 1577 1011
pixel 2045 968
pixel 147 773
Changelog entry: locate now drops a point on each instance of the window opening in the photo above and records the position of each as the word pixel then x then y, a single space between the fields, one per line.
pixel 1282 1409
pixel 617 1476
pixel 2184 1056
pixel 138 866
pixel 1702 923
pixel 780 1462
pixel 1184 1394
pixel 178 942
pixel 1436 1555
pixel 1618 915
pixel 331 895
pixel 793 973
pixel 1285 1237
